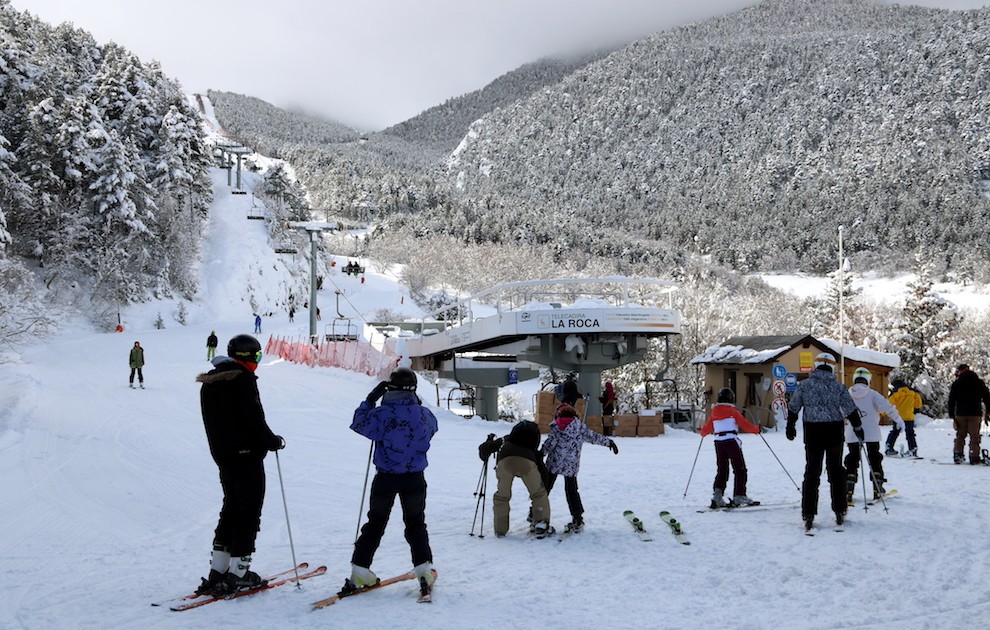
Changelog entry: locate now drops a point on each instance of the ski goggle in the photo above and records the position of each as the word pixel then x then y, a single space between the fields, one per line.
pixel 244 356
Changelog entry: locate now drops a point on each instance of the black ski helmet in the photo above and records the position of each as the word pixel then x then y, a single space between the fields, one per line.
pixel 726 395
pixel 245 348
pixel 402 379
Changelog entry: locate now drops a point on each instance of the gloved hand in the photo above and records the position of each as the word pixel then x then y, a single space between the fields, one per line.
pixel 489 447
pixel 612 445
pixel 860 435
pixel 377 392
pixel 791 431
pixel 279 443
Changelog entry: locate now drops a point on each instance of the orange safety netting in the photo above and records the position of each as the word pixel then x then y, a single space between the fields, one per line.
pixel 355 355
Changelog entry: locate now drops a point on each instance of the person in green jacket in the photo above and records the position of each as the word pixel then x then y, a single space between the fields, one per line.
pixel 137 362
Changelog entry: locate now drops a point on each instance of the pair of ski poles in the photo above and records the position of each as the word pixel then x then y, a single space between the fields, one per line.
pixel 764 441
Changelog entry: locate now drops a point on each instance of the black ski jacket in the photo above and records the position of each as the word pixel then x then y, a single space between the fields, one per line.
pixel 233 416
pixel 966 394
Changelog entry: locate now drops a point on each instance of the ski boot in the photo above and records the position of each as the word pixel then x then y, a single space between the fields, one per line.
pixel 809 522
pixel 214 584
pixel 361 578
pixel 249 581
pixel 741 500
pixel 542 530
pixel 957 458
pixel 975 459
pixel 425 577
pixel 840 518
pixel 718 501
pixel 890 452
pixel 878 489
pixel 574 526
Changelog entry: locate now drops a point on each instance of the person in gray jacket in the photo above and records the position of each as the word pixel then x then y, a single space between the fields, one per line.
pixel 823 403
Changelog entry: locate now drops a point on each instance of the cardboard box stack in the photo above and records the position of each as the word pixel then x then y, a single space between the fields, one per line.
pixel 624 425
pixel 649 426
pixel 595 424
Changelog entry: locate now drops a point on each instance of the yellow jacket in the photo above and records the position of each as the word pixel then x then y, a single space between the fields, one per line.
pixel 907 402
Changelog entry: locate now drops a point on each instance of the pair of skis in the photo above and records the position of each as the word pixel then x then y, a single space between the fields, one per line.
pixel 666 517
pixel 195 600
pixel 296 574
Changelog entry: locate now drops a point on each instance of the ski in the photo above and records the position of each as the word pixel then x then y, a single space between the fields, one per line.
pixel 279 580
pixel 886 495
pixel 333 599
pixel 675 527
pixel 755 507
pixel 637 526
pixel 300 567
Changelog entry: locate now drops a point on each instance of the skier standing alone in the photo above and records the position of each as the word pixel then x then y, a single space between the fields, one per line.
pixel 239 439
pixel 726 422
pixel 401 429
pixel 969 402
pixel 211 345
pixel 137 363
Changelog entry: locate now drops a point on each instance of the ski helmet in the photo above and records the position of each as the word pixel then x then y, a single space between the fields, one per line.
pixel 726 395
pixel 825 360
pixel 244 348
pixel 862 374
pixel 402 379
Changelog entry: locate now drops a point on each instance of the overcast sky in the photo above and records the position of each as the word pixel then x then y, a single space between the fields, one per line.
pixel 368 63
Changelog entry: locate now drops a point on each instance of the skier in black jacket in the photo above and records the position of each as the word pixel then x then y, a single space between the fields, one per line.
pixel 239 439
pixel 519 456
pixel 969 403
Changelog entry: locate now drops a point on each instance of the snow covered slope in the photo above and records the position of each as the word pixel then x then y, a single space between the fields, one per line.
pixel 109 500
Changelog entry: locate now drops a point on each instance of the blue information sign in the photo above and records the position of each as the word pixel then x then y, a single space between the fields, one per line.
pixel 513 376
pixel 791 381
pixel 779 371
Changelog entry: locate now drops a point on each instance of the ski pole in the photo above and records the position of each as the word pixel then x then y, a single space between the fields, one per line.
pixel 364 490
pixel 693 465
pixel 876 487
pixel 779 462
pixel 285 506
pixel 862 471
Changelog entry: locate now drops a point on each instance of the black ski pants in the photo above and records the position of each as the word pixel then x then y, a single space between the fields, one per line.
pixel 823 440
pixel 728 452
pixel 240 516
pixel 574 505
pixel 411 490
pixel 873 456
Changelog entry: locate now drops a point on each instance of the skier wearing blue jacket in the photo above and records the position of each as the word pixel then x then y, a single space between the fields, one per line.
pixel 401 429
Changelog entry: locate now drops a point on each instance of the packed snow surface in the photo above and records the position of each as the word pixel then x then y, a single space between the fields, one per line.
pixel 109 500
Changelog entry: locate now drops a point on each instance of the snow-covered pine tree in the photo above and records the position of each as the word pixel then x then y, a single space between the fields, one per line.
pixel 925 337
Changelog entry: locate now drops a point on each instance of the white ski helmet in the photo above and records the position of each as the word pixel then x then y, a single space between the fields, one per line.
pixel 825 360
pixel 862 373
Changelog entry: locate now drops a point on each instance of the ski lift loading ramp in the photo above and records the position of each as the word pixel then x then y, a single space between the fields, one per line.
pixel 505 334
